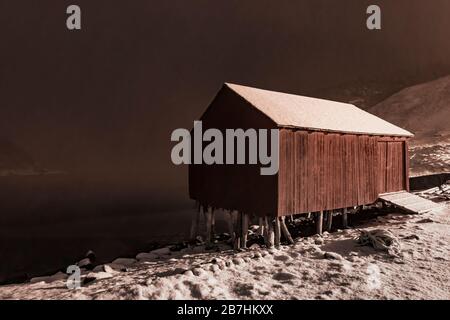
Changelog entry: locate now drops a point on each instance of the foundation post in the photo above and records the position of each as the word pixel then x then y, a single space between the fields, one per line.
pixel 319 222
pixel 209 214
pixel 196 222
pixel 213 223
pixel 244 230
pixel 270 236
pixel 285 231
pixel 345 218
pixel 277 232
pixel 230 220
pixel 261 226
pixel 329 220
pixel 238 230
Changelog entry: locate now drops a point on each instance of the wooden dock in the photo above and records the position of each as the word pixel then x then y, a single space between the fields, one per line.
pixel 410 202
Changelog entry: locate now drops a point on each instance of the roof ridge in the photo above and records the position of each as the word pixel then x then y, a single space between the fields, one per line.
pixel 291 110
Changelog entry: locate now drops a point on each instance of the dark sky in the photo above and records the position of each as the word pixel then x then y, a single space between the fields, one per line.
pixel 105 99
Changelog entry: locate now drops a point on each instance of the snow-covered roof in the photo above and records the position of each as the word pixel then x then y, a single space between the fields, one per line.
pixel 288 110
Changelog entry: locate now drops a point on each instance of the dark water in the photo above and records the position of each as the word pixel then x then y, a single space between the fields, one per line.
pixel 50 221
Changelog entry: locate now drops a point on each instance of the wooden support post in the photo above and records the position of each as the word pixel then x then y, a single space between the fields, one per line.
pixel 237 243
pixel 277 232
pixel 329 220
pixel 236 239
pixel 286 232
pixel 230 223
pixel 244 230
pixel 309 215
pixel 344 219
pixel 266 230
pixel 238 230
pixel 203 212
pixel 196 222
pixel 261 226
pixel 208 225
pixel 319 222
pixel 270 236
pixel 197 205
pixel 213 223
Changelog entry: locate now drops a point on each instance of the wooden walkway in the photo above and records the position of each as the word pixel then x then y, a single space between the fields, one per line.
pixel 410 202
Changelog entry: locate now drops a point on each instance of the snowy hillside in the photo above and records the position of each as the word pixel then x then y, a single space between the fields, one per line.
pixel 424 110
pixel 421 108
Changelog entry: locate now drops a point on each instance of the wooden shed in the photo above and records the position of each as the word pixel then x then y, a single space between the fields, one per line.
pixel 332 155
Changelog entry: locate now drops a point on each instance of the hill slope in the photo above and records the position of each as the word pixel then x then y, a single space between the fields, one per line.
pixel 423 109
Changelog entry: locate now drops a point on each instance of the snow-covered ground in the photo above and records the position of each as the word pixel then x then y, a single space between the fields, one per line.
pixel 332 266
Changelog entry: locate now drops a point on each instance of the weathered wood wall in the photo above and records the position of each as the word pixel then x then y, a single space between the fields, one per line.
pixel 234 187
pixel 392 161
pixel 317 170
pixel 325 171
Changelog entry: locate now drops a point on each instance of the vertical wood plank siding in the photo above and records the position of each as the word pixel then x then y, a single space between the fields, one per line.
pixel 406 163
pixel 234 187
pixel 317 170
pixel 324 171
pixel 382 166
